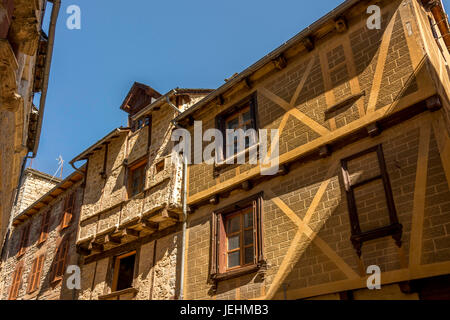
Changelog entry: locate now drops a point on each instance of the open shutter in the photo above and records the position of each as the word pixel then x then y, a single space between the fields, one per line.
pixel 24 240
pixel 16 283
pixel 44 227
pixel 32 275
pixel 60 260
pixel 214 240
pixel 222 245
pixel 68 210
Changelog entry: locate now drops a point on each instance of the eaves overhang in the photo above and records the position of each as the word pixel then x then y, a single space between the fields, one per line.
pixel 47 198
pixel 98 145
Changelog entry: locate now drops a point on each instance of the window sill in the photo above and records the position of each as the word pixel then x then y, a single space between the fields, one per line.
pixel 236 273
pixel 117 294
pixel 245 152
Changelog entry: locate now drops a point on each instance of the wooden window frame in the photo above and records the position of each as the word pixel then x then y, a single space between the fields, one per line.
pixel 140 123
pixel 24 239
pixel 60 260
pixel 116 269
pixel 34 278
pixel 45 226
pixel 69 208
pixel 218 266
pixel 138 164
pixel 394 229
pixel 248 102
pixel 16 283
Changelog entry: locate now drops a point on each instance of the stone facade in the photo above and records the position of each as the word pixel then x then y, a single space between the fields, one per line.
pixel 335 94
pixel 363 179
pixel 51 206
pixel 35 184
pixel 114 221
pixel 23 49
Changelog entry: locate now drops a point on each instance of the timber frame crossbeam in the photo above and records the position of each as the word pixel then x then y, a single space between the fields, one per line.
pixel 370 129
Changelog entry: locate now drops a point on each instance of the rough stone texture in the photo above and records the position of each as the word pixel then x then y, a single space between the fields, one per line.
pixel 47 290
pixel 35 184
pixel 330 221
pixel 16 85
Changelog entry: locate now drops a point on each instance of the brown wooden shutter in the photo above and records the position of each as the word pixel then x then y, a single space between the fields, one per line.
pixel 68 210
pixel 24 240
pixel 60 260
pixel 44 227
pixel 222 245
pixel 32 275
pixel 35 274
pixel 214 240
pixel 16 282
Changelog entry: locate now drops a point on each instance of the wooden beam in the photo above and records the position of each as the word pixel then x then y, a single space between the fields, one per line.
pixel 150 226
pixel 95 247
pixel 280 63
pixel 83 251
pixel 169 215
pixel 308 42
pixel 373 129
pixel 381 61
pixel 420 189
pixel 115 240
pixel 130 232
pixel 340 24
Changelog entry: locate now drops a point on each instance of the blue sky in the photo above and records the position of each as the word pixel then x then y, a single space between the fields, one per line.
pixel 164 44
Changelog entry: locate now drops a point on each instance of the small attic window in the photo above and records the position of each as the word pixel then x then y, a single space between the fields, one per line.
pixel 140 123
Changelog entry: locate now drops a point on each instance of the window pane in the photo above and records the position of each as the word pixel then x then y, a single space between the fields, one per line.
pixel 126 272
pixel 249 255
pixel 233 124
pixel 234 259
pixel 246 116
pixel 248 237
pixel 248 220
pixel 234 224
pixel 234 242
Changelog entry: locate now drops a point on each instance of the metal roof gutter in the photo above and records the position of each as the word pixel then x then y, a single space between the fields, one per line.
pixel 274 54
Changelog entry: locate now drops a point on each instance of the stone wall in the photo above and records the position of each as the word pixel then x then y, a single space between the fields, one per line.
pixel 48 289
pixel 20 22
pixel 35 184
pixel 156 270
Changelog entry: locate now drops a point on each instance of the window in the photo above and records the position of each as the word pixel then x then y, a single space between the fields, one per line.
pixel 69 205
pixel 45 224
pixel 35 274
pixel 237 238
pixel 124 271
pixel 16 282
pixel 369 198
pixel 24 240
pixel 140 123
pixel 59 263
pixel 240 116
pixel 137 178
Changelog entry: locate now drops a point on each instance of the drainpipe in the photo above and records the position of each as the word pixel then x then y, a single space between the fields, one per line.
pixel 184 204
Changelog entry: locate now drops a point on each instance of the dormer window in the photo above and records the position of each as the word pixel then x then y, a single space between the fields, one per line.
pixel 140 123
